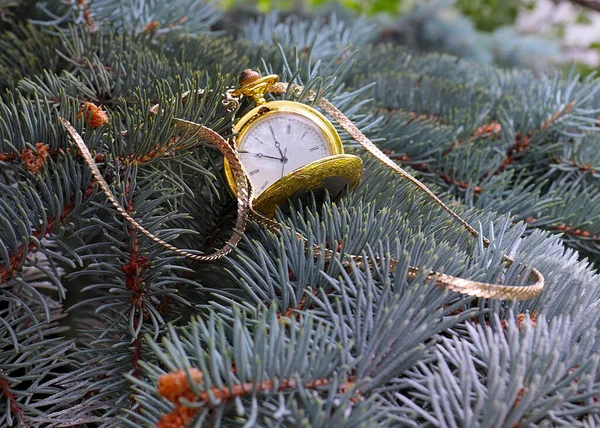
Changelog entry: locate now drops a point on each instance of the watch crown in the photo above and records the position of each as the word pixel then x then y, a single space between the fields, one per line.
pixel 248 76
pixel 254 86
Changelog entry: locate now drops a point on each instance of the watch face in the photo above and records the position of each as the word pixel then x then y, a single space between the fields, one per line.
pixel 278 143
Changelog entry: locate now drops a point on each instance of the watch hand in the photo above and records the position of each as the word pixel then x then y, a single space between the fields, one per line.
pixel 277 143
pixel 280 152
pixel 260 155
pixel 284 160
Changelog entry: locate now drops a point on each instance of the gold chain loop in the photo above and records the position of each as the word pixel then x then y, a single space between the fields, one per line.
pixel 244 196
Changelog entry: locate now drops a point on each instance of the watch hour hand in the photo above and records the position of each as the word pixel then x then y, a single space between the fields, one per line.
pixel 258 155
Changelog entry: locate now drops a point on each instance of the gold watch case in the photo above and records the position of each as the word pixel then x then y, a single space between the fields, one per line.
pixel 334 173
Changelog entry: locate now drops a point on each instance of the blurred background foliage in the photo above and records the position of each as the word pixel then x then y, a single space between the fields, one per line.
pixel 536 34
pixel 485 14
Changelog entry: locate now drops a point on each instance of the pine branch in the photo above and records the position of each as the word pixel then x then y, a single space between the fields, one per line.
pixel 561 391
pixel 284 384
pixel 36 387
pixel 152 17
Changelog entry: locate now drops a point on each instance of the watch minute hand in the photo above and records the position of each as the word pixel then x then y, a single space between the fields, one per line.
pixel 277 143
pixel 273 134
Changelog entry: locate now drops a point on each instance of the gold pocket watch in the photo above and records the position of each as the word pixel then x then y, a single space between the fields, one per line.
pixel 288 149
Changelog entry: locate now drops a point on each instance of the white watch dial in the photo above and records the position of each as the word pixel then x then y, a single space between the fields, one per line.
pixel 277 144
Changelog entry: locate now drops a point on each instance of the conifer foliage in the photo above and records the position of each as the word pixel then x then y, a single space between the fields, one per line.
pixel 102 327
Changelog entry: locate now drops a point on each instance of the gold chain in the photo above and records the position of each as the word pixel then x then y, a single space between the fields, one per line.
pixel 245 196
pixel 245 192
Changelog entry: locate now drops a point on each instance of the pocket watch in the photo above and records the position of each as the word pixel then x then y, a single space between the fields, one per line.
pixel 288 149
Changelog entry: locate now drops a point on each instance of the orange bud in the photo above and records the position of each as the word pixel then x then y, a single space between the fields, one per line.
pixel 94 115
